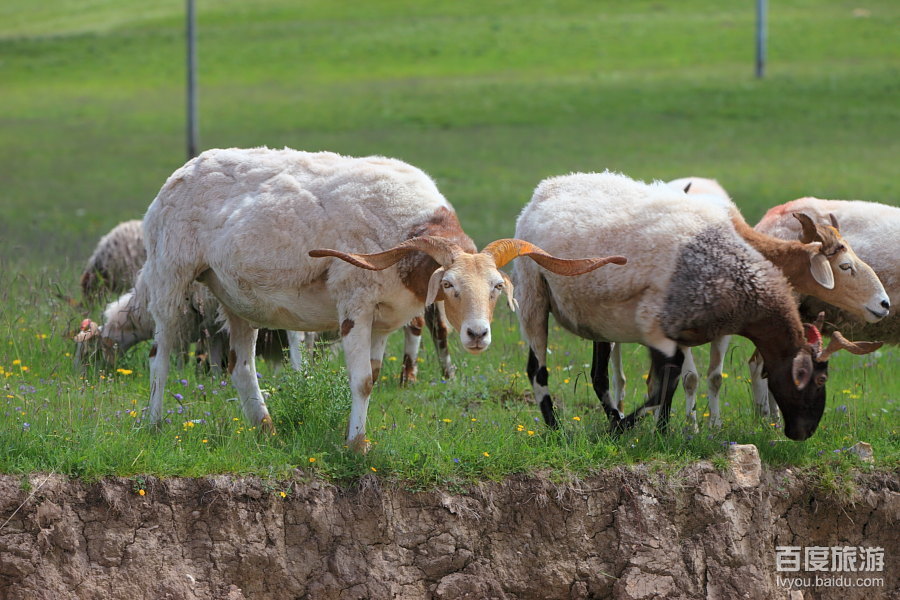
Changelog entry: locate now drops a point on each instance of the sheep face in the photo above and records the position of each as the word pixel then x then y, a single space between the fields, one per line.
pixel 801 394
pixel 469 288
pixel 798 387
pixel 844 279
pixel 125 324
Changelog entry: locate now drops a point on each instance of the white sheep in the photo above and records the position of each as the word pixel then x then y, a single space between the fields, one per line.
pixel 127 321
pixel 691 278
pixel 113 266
pixel 874 230
pixel 821 264
pixel 254 226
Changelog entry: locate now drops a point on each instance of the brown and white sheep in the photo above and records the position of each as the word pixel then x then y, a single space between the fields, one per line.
pixel 691 279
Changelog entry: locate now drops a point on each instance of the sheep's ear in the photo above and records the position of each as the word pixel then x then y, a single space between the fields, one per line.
pixel 435 292
pixel 834 222
pixel 509 289
pixel 820 268
pixel 802 369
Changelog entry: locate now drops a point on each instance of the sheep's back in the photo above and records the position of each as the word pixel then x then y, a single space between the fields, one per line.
pixel 263 210
pixel 684 255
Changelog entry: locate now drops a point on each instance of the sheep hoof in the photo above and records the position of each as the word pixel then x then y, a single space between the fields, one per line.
pixel 408 377
pixel 359 444
pixel 619 426
pixel 266 426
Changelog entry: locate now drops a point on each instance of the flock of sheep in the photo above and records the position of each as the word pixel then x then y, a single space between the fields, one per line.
pixel 238 240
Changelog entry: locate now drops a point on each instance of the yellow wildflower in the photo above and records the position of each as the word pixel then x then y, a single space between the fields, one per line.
pixel 141 492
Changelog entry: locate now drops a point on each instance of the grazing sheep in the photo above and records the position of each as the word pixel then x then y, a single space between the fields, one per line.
pixel 822 264
pixel 691 279
pixel 874 230
pixel 127 321
pixel 254 224
pixel 113 267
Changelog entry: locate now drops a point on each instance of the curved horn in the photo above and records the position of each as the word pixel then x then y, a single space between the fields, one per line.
pixel 438 248
pixel 839 342
pixel 503 251
pixel 810 232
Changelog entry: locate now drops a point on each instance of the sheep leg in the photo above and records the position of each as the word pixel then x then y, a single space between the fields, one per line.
pixel 164 343
pixel 661 386
pixel 295 355
pixel 437 327
pixel 379 341
pixel 717 350
pixel 536 333
pixel 618 378
pixel 217 343
pixel 600 381
pixel 759 385
pixel 412 339
pixel 356 337
pixel 242 366
pixel 690 381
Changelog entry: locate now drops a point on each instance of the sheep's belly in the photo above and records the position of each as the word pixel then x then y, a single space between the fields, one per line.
pixel 605 323
pixel 309 308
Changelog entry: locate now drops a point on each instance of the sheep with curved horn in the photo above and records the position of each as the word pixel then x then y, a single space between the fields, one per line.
pixel 254 225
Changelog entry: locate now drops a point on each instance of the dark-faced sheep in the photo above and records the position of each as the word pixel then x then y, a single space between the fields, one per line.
pixel 691 278
pixel 820 263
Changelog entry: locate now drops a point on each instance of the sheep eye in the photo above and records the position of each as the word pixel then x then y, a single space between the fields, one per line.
pixel 845 266
pixel 499 287
pixel 446 285
pixel 821 379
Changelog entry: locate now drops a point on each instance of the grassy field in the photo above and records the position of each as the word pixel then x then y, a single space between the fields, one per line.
pixel 488 98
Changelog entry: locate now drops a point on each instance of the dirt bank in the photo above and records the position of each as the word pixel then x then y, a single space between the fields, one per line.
pixel 627 533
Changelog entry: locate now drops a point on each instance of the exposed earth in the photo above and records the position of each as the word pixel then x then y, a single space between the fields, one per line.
pixel 627 533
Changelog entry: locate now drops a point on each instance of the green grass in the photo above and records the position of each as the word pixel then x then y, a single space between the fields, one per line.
pixel 488 98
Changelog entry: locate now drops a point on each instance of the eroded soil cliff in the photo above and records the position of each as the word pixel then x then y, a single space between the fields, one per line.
pixel 627 533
